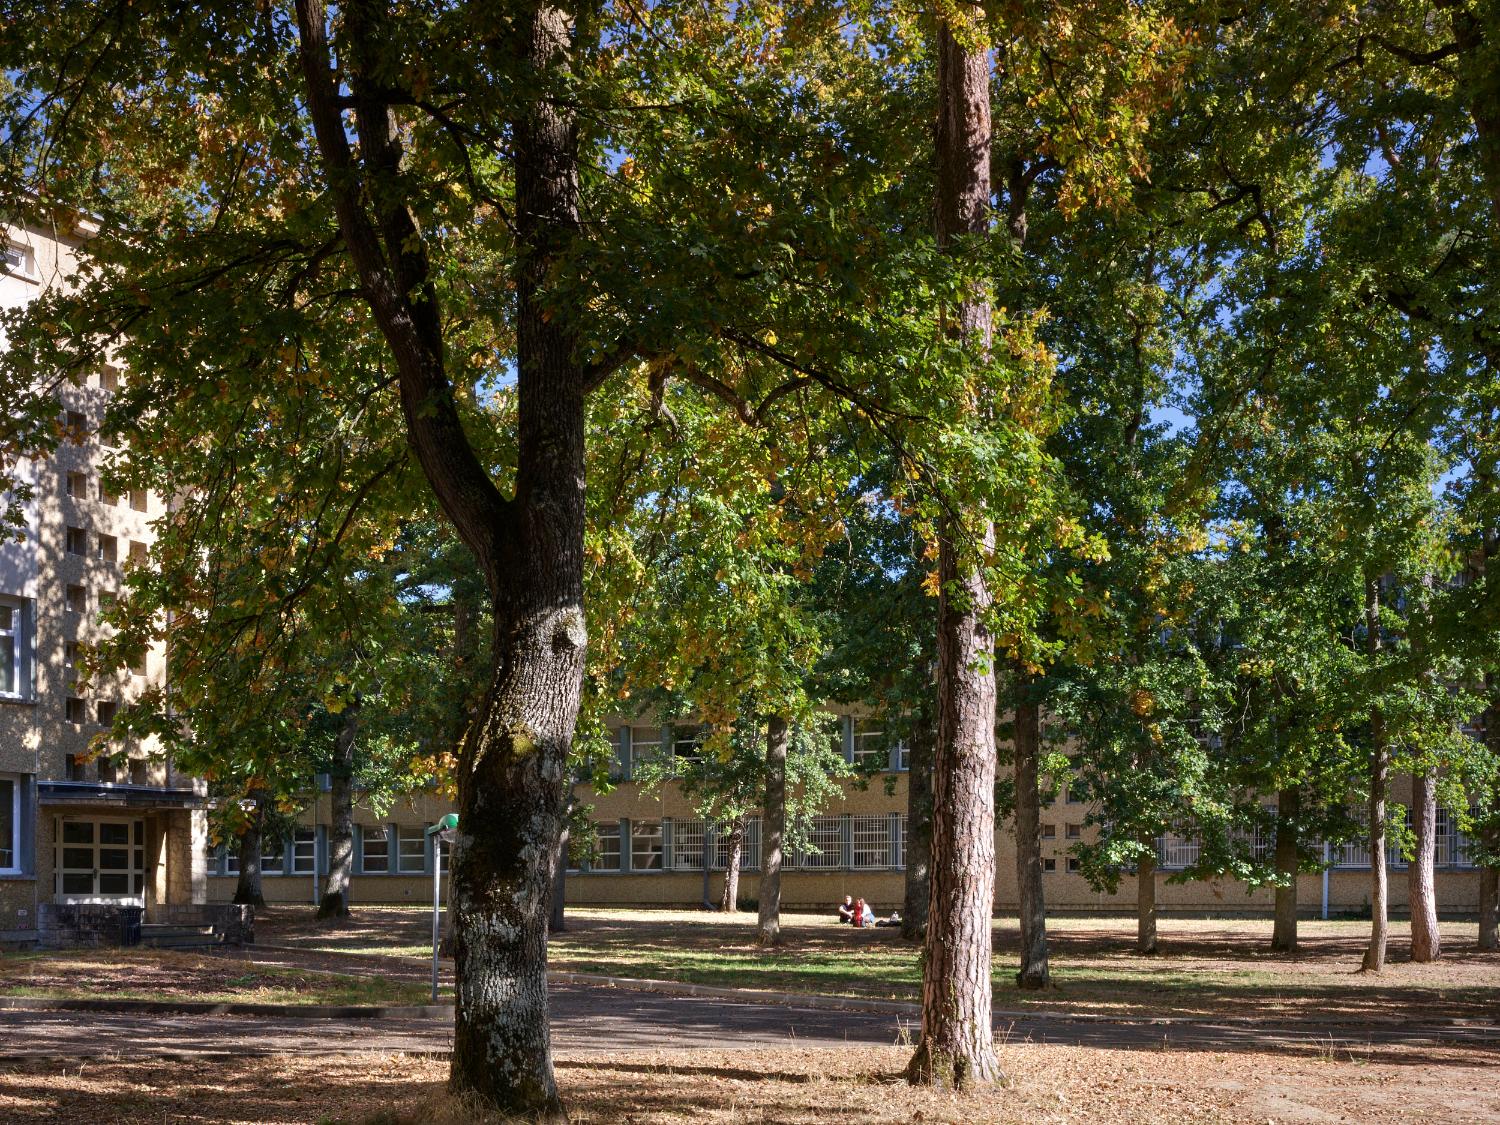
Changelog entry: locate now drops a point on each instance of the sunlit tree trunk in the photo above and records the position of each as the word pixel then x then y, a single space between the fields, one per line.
pixel 1145 900
pixel 1288 865
pixel 729 902
pixel 247 889
pixel 1380 766
pixel 957 1045
pixel 1420 873
pixel 772 831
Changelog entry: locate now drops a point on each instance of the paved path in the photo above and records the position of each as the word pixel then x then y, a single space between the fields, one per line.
pixel 614 1020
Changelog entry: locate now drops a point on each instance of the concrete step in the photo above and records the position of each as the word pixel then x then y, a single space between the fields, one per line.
pixel 164 936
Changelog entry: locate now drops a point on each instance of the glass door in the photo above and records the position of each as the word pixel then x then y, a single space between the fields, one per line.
pixel 101 861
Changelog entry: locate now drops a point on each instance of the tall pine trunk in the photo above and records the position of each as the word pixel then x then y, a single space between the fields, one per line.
pixel 773 830
pixel 1032 908
pixel 729 902
pixel 1380 767
pixel 918 857
pixel 1420 874
pixel 1288 865
pixel 957 1047
pixel 1145 900
pixel 335 901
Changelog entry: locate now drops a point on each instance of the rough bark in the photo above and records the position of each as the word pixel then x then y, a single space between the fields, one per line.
pixel 773 829
pixel 1033 972
pixel 529 547
pixel 1420 874
pixel 918 857
pixel 1145 901
pixel 247 890
pixel 1380 765
pixel 729 901
pixel 335 901
pixel 1288 864
pixel 957 1046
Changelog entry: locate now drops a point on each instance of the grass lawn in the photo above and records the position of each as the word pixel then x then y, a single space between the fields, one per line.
pixel 1211 968
pixel 152 974
pixel 795 1086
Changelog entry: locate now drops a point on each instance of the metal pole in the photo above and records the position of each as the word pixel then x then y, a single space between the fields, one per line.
pixel 437 884
pixel 1325 880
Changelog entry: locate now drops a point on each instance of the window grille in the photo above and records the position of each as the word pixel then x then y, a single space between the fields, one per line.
pixel 872 842
pixel 827 845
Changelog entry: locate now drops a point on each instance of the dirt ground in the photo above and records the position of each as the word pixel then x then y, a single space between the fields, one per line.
pixel 1046 1084
pixel 1208 968
pixel 231 975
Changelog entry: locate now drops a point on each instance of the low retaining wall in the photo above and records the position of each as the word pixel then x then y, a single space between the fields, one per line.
pixel 63 925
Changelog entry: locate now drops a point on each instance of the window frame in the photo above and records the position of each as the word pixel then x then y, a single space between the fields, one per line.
pixel 14 867
pixel 18 636
pixel 402 838
pixel 366 837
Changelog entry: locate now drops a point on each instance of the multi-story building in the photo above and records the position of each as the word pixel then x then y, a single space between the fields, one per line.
pixel 80 822
pixel 650 848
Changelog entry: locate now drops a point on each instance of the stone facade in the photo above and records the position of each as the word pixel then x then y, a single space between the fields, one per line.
pixel 79 816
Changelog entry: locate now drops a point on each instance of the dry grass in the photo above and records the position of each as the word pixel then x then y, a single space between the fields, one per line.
pixel 793 1086
pixel 1210 968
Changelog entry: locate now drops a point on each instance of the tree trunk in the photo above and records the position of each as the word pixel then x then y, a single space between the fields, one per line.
pixel 1489 877
pixel 772 829
pixel 1288 865
pixel 1420 873
pixel 1489 908
pixel 335 902
pixel 708 864
pixel 512 763
pixel 557 920
pixel 729 902
pixel 1380 765
pixel 247 891
pixel 918 855
pixel 1145 901
pixel 1032 908
pixel 957 1046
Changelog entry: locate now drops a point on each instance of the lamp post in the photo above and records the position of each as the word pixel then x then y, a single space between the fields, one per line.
pixel 444 829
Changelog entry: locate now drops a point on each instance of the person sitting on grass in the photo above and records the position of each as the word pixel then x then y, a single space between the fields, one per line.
pixel 846 910
pixel 863 915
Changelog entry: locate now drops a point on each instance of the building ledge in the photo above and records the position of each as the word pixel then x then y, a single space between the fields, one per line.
pixel 105 794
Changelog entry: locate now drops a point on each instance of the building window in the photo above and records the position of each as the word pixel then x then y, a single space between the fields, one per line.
pixel 903 755
pixel 607 852
pixel 304 851
pixel 10 825
pixel 76 426
pixel 78 486
pixel 827 844
pixel 104 858
pixel 645 744
pixel 411 850
pixel 901 841
pixel 1075 832
pixel 109 773
pixel 107 549
pixel 749 847
pixel 137 553
pixel 1049 832
pixel 688 745
pixel 687 845
pixel 76 599
pixel 272 857
pixel 109 380
pixel 1073 866
pixel 75 710
pixel 1049 864
pixel 18 260
pixel 137 663
pixel 645 845
pixel 375 850
pixel 138 500
pixel 77 541
pixel 872 842
pixel 140 771
pixel 74 767
pixel 108 497
pixel 869 745
pixel 15 657
pixel 106 710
